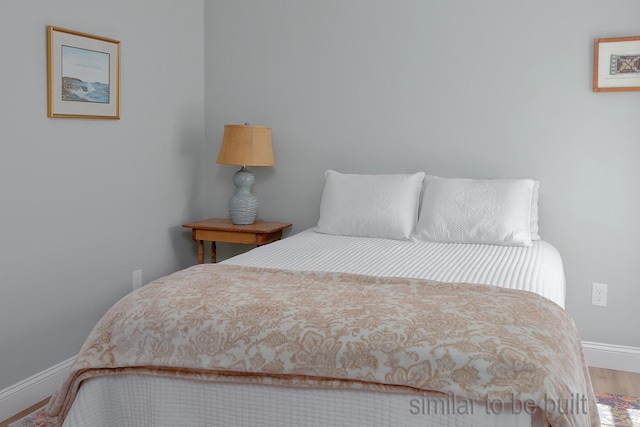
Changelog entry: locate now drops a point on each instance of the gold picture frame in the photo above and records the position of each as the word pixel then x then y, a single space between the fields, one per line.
pixel 83 75
pixel 616 64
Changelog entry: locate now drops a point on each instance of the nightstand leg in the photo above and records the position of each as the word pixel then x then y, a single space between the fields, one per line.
pixel 213 252
pixel 200 252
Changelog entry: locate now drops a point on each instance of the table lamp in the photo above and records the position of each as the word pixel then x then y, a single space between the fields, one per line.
pixel 245 145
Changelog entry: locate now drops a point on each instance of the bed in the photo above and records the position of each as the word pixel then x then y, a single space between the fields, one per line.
pixel 348 324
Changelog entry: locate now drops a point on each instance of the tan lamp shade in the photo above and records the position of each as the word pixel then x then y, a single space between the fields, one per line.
pixel 246 145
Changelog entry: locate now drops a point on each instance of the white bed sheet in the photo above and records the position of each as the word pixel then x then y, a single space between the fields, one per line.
pixel 135 400
pixel 537 268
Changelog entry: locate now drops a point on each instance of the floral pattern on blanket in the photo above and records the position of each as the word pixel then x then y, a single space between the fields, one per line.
pixel 226 322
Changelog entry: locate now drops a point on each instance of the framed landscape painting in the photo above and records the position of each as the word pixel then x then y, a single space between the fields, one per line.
pixel 616 64
pixel 84 75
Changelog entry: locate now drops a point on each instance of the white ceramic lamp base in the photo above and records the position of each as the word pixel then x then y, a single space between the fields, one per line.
pixel 243 206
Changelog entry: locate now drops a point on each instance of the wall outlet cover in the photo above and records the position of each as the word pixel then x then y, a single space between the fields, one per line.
pixel 599 294
pixel 137 279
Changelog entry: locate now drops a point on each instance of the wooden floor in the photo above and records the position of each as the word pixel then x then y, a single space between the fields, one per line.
pixel 617 382
pixel 608 380
pixel 29 410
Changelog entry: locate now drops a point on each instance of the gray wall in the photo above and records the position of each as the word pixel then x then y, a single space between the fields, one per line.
pixel 84 203
pixel 498 88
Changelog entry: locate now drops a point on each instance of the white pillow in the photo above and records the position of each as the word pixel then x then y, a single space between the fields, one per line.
pixel 489 211
pixel 383 206
pixel 534 211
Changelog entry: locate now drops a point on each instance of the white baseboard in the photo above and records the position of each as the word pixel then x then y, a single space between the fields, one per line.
pixel 40 386
pixel 611 356
pixel 20 396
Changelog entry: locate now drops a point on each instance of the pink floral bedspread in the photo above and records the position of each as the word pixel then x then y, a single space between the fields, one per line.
pixel 234 323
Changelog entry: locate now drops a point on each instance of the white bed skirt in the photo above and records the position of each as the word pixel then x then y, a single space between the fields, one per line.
pixel 131 400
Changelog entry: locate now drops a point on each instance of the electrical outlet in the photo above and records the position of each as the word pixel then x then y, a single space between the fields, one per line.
pixel 599 294
pixel 137 279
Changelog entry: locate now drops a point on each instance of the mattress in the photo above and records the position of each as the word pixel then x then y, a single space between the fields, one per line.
pixel 537 268
pixel 138 400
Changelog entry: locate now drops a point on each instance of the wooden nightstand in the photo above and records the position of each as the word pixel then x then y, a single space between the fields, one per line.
pixel 223 230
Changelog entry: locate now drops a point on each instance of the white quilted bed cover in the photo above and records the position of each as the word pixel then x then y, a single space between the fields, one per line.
pixel 141 401
pixel 537 268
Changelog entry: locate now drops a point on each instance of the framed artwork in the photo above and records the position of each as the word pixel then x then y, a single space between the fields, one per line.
pixel 616 64
pixel 84 75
